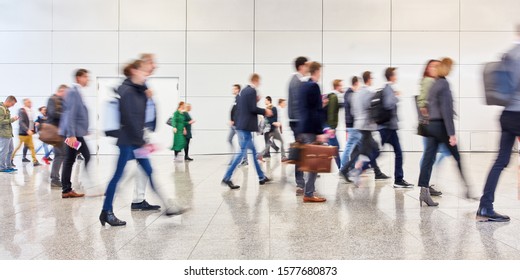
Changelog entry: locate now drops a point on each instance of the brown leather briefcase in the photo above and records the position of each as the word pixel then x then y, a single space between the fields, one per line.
pixel 317 158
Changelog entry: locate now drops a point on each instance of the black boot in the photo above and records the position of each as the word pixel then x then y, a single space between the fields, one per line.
pixel 489 215
pixel 110 218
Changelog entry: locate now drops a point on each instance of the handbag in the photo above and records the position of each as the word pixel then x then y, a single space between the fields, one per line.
pixel 169 121
pixel 422 128
pixel 317 158
pixel 49 134
pixel 294 153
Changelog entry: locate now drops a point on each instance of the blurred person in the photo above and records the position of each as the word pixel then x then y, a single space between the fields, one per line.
pixel 26 130
pixel 189 121
pixel 42 118
pixel 179 131
pixel 54 114
pixel 74 125
pixel 246 124
pixel 302 70
pixel 333 115
pixel 282 104
pixel 429 76
pixel 131 138
pixel 311 123
pixel 274 131
pixel 509 122
pixel 233 130
pixel 388 130
pixel 6 134
pixel 441 129
pixel 353 135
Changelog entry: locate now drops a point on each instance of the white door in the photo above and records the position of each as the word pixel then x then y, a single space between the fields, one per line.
pixel 166 97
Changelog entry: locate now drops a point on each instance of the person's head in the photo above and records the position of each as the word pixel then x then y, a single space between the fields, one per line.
pixel 43 110
pixel 149 64
pixel 187 107
pixel 390 74
pixel 134 71
pixel 10 101
pixel 430 70
pixel 301 65
pixel 236 89
pixel 354 81
pixel 282 103
pixel 255 80
pixel 315 70
pixel 82 77
pixel 268 100
pixel 27 102
pixel 337 85
pixel 181 106
pixel 444 67
pixel 367 78
pixel 62 90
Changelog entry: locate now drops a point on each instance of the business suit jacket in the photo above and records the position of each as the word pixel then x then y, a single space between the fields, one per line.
pixel 133 109
pixel 312 116
pixel 247 111
pixel 74 121
pixel 294 91
pixel 23 122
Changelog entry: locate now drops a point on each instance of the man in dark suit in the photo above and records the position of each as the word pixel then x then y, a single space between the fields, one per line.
pixel 246 122
pixel 310 124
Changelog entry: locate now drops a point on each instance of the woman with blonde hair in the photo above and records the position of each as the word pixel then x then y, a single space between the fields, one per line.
pixel 179 131
pixel 441 130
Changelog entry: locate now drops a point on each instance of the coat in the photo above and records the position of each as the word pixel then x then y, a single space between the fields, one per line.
pixel 179 140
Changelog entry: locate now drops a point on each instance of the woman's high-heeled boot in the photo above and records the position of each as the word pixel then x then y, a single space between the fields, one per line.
pixel 426 197
pixel 110 218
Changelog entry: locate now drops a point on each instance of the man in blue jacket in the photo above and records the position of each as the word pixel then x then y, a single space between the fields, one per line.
pixel 246 123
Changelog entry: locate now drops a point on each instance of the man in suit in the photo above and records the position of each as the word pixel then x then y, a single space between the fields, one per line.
pixel 54 113
pixel 310 125
pixel 302 69
pixel 510 130
pixel 232 119
pixel 26 130
pixel 74 126
pixel 246 123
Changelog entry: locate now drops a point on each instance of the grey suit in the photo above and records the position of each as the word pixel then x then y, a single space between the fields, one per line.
pixel 74 121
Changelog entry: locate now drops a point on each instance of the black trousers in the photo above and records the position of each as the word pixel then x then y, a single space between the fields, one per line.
pixel 187 148
pixel 368 147
pixel 70 158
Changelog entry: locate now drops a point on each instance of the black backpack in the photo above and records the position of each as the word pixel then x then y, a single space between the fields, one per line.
pixel 377 110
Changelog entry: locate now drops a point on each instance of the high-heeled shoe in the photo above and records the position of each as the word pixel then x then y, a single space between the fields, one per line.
pixel 110 218
pixel 426 197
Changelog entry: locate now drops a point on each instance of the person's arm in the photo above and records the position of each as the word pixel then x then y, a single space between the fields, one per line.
pixel 332 117
pixel 72 101
pixel 389 98
pixel 51 109
pixel 134 119
pixel 422 99
pixel 446 107
pixel 174 122
pixel 251 104
pixel 3 120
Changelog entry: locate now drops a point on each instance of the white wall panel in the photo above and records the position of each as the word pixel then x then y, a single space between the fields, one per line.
pixel 173 70
pixel 220 14
pixel 274 79
pixel 37 15
pixel 288 15
pixel 85 47
pixel 220 47
pixel 356 47
pixel 25 47
pixel 85 15
pixel 475 115
pixel 211 113
pixel 483 15
pixel 25 79
pixel 209 142
pixel 217 80
pixel 284 47
pixel 153 15
pixel 356 15
pixel 485 141
pixel 169 47
pixel 418 48
pixel 481 47
pixel 346 72
pixel 471 83
pixel 425 15
pixel 64 74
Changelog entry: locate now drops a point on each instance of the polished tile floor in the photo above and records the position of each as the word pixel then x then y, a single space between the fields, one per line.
pixel 373 221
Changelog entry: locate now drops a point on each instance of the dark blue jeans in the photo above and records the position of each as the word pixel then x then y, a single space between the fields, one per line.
pixel 298 175
pixel 334 142
pixel 245 139
pixel 389 136
pixel 509 121
pixel 126 153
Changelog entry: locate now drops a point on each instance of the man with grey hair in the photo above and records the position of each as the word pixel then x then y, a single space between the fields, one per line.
pixel 26 130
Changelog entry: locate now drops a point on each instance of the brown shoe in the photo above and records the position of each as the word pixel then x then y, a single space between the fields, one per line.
pixel 72 194
pixel 299 191
pixel 313 199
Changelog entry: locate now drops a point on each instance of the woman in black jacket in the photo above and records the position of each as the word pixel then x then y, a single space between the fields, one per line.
pixel 441 130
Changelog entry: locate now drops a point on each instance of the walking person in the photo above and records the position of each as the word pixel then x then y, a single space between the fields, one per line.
pixel 233 130
pixel 42 118
pixel 54 114
pixel 333 115
pixel 246 124
pixel 388 130
pixel 441 129
pixel 179 131
pixel 271 122
pixel 26 130
pixel 353 135
pixel 509 122
pixel 6 134
pixel 189 121
pixel 302 70
pixel 74 126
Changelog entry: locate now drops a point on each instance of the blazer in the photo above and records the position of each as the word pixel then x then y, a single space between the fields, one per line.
pixel 390 103
pixel 54 110
pixel 311 109
pixel 133 113
pixel 294 90
pixel 247 111
pixel 349 117
pixel 74 121
pixel 440 104
pixel 23 122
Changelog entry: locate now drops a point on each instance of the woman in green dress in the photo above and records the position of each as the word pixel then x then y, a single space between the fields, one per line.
pixel 179 130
